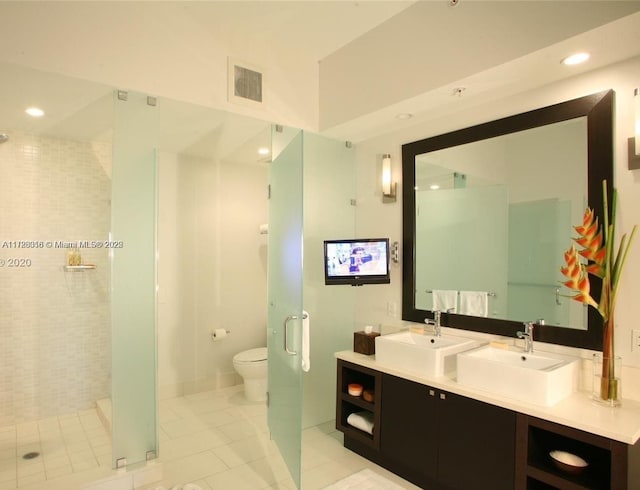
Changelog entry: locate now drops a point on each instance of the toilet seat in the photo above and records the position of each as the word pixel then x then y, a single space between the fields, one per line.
pixel 252 355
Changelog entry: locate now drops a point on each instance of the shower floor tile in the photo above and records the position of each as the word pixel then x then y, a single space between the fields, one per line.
pixel 66 453
pixel 214 439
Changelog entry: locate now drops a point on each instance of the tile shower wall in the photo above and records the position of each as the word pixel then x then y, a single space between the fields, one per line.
pixel 54 325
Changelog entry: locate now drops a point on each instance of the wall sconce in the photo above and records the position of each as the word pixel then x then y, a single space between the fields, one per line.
pixel 634 142
pixel 388 187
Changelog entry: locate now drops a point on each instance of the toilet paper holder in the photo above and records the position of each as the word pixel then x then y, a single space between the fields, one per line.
pixel 213 334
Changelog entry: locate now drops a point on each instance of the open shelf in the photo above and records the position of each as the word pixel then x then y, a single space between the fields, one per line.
pixel 541 465
pixel 610 463
pixel 346 428
pixel 79 268
pixel 358 401
pixel 541 479
pixel 533 484
pixel 347 404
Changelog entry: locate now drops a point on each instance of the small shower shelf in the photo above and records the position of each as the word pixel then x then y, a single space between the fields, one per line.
pixel 79 268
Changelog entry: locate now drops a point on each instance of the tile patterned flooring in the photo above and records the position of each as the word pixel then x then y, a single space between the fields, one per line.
pixel 214 439
pixel 71 447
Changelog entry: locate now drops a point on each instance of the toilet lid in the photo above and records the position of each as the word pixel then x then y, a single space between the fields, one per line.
pixel 251 355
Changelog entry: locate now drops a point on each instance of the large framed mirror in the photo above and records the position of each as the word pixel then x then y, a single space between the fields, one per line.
pixel 488 211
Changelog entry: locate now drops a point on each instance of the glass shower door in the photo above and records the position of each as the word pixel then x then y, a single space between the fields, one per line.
pixel 285 296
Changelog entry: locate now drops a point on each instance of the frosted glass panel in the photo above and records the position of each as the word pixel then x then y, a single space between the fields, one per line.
pixel 134 280
pixel 285 297
pixel 329 187
pixel 473 223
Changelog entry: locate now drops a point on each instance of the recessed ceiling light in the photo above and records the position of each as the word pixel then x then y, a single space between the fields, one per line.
pixel 263 151
pixel 434 187
pixel 403 116
pixel 575 59
pixel 35 112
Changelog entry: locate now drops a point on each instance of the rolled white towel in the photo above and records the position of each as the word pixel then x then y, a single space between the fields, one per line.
pixel 362 421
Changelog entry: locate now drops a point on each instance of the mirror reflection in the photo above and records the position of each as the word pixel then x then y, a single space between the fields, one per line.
pixel 493 218
pixel 496 229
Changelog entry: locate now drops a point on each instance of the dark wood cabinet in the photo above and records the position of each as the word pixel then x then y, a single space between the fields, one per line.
pixel 442 440
pixel 477 445
pixel 409 429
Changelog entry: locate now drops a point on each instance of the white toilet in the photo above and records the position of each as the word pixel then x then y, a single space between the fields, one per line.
pixel 252 366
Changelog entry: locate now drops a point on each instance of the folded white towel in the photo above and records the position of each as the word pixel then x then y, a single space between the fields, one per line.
pixel 445 300
pixel 362 421
pixel 474 303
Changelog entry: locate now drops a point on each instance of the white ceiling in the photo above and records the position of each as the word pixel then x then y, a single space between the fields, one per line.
pixel 532 63
pixel 82 109
pixel 310 30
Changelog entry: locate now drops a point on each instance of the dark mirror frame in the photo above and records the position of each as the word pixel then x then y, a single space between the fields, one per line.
pixel 598 108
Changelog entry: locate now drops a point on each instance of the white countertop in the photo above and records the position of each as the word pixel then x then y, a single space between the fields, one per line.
pixel 577 411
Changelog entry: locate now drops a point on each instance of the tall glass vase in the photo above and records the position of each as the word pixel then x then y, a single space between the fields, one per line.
pixel 607 383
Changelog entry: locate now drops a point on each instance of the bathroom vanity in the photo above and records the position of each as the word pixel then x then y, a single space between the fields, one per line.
pixel 444 436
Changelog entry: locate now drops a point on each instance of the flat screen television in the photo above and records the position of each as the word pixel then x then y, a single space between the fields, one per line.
pixel 356 261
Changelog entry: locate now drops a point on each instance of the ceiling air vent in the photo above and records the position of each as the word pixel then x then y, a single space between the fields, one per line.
pixel 245 83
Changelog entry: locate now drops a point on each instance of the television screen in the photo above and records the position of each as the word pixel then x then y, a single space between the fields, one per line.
pixel 357 261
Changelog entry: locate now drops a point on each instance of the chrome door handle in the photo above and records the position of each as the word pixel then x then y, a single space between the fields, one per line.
pixel 286 346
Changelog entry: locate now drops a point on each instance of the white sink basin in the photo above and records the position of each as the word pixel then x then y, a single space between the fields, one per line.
pixel 420 353
pixel 542 379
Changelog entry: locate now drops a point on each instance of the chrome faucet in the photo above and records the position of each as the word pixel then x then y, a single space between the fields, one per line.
pixel 435 322
pixel 527 335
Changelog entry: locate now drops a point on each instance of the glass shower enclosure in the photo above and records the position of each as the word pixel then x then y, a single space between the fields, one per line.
pixel 135 133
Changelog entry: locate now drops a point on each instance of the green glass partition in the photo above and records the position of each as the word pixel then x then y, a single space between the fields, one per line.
pixel 285 296
pixel 133 283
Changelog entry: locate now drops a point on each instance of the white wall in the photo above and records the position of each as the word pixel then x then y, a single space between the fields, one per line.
pixel 54 325
pixel 375 218
pixel 212 269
